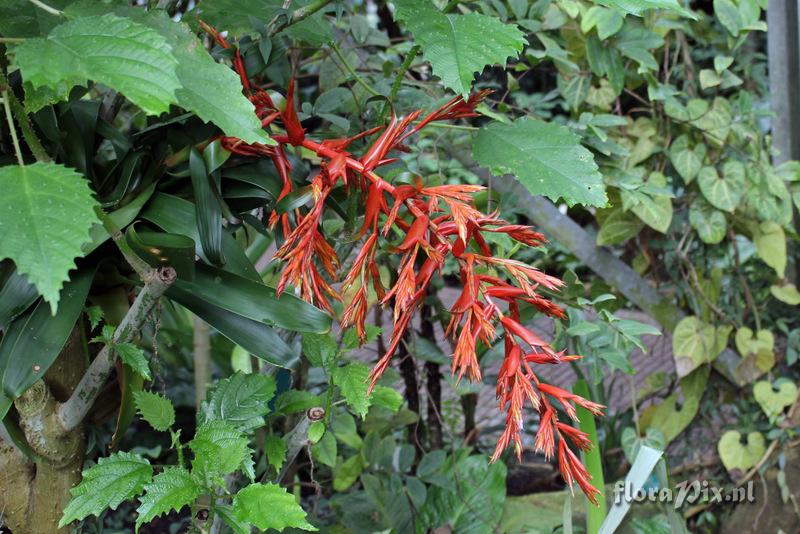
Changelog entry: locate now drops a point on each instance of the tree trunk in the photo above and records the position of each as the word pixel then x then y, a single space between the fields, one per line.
pixel 409 371
pixel 433 382
pixel 33 495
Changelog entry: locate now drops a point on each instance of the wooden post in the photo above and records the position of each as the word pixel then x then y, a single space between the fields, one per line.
pixel 784 77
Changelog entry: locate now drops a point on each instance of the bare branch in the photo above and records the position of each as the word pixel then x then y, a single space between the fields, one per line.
pixel 71 413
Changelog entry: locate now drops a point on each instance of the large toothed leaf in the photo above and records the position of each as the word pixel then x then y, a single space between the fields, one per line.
pixel 218 449
pixel 171 490
pixel 269 506
pixel 241 400
pixel 45 216
pixel 114 479
pixel 546 158
pixel 117 52
pixel 209 89
pixel 458 46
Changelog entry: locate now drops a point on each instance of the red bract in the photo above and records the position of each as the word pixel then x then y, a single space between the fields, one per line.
pixel 436 223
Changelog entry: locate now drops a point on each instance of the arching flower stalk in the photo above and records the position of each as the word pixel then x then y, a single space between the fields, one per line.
pixel 436 222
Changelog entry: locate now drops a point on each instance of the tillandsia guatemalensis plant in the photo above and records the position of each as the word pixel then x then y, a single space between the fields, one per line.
pixel 436 222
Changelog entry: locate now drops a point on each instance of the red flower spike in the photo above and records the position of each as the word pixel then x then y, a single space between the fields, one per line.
pixel 294 131
pixel 437 221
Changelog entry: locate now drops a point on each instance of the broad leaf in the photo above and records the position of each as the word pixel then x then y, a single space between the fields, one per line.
pixel 546 158
pixel 686 161
pixel 134 357
pixel 155 409
pixel 656 210
pixel 352 381
pixel 218 449
pixel 618 227
pixel 737 455
pixel 458 46
pixel 117 52
pixel 45 217
pixel 116 478
pixel 275 449
pixel 269 506
pixel 241 400
pixel 170 490
pixel 209 89
pixel 770 240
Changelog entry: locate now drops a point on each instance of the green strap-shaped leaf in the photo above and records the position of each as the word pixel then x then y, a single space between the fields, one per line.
pixel 241 400
pixel 16 295
pixel 171 490
pixel 45 216
pixel 546 158
pixel 115 51
pixel 33 340
pixel 269 506
pixel 155 409
pixel 114 479
pixel 458 46
pixel 251 299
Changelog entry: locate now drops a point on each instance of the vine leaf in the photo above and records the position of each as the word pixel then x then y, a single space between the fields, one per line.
pixel 721 192
pixel 172 489
pixel 117 52
pixel 736 455
pixel 45 217
pixel 218 449
pixel 269 506
pixel 546 158
pixel 155 409
pixel 458 46
pixel 242 400
pixel 352 382
pixel 709 222
pixel 638 7
pixel 114 479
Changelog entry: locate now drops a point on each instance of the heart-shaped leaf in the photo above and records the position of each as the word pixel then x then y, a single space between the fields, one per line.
pixel 737 455
pixel 773 401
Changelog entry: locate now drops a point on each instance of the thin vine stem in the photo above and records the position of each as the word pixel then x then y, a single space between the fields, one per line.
pixel 297 16
pixel 45 7
pixel 352 71
pixel 25 126
pixel 12 128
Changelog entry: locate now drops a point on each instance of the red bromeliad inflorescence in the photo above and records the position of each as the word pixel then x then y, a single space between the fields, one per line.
pixel 437 222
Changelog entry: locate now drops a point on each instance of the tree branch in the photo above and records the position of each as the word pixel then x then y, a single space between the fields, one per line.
pixel 297 438
pixel 297 16
pixel 71 413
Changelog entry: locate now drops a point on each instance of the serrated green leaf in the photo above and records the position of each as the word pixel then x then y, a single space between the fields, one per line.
pixel 45 217
pixel 218 449
pixel 118 52
pixel 275 449
pixel 320 349
pixel 209 89
pixel 155 409
pixel 546 158
pixel 458 46
pixel 241 400
pixel 134 357
pixel 269 506
pixel 352 381
pixel 116 478
pixel 170 490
